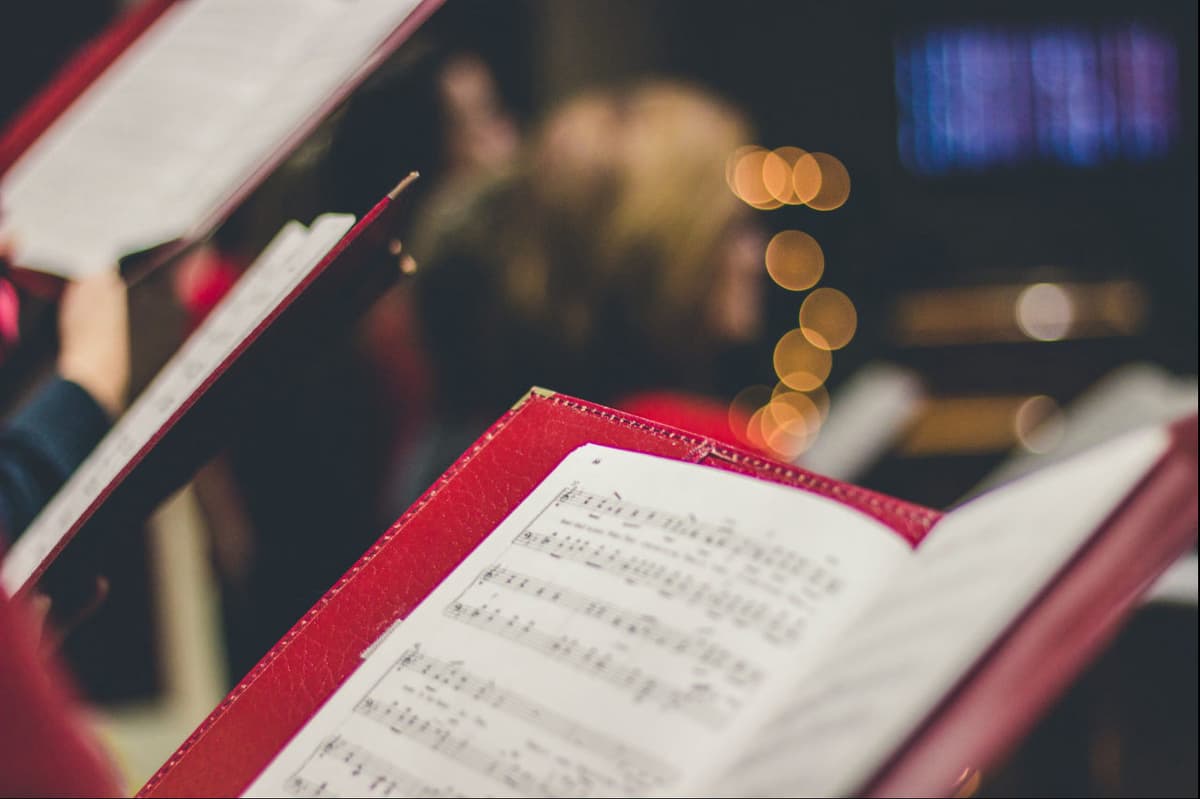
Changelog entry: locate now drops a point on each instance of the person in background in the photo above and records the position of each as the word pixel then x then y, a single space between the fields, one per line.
pixel 45 747
pixel 56 429
pixel 612 262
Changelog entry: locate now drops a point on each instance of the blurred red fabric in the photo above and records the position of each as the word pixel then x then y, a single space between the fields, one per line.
pixel 696 414
pixel 45 750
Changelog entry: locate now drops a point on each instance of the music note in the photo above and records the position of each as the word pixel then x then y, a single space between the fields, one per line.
pixel 583 649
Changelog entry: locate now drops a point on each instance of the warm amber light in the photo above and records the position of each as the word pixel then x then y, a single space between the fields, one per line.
pixel 1038 424
pixel 754 430
pixel 731 164
pixel 784 444
pixel 795 260
pixel 820 398
pixel 777 174
pixel 795 412
pixel 1122 304
pixel 799 364
pixel 972 424
pixel 828 319
pixel 769 205
pixel 743 407
pixel 806 178
pixel 834 184
pixel 1045 312
pixel 747 179
pixel 785 430
pixel 968 783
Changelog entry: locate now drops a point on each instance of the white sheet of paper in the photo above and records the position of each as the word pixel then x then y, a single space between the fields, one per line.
pixel 289 257
pixel 611 637
pixel 181 120
pixel 979 568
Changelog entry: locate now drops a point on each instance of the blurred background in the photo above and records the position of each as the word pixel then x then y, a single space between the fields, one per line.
pixel 970 231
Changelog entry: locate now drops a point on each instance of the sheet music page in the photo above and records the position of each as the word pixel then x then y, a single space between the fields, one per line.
pixel 627 623
pixel 289 257
pixel 977 570
pixel 182 119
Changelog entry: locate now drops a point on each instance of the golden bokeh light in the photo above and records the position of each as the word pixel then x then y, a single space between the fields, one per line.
pixel 777 176
pixel 806 178
pixel 1045 312
pixel 783 443
pixel 743 407
pixel 790 423
pixel 795 260
pixel 1038 424
pixel 745 177
pixel 828 319
pixel 796 412
pixel 781 421
pixel 769 205
pixel 819 397
pixel 733 160
pixel 822 181
pixel 778 169
pixel 754 430
pixel 799 363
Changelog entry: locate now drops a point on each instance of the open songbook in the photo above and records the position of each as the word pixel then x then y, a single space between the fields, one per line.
pixel 308 281
pixel 635 617
pixel 185 122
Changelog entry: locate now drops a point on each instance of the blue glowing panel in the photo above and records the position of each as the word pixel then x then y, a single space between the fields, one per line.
pixel 978 98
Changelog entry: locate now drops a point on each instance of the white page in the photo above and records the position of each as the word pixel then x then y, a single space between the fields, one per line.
pixel 179 122
pixel 289 257
pixel 631 618
pixel 972 576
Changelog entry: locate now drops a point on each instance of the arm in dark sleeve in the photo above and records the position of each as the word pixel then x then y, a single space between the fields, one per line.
pixel 43 444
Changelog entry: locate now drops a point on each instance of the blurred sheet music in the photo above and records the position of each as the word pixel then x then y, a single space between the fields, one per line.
pixel 1136 395
pixel 980 566
pixel 187 115
pixel 613 636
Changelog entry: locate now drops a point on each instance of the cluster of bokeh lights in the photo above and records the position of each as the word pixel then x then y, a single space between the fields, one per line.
pixel 786 419
pixel 769 179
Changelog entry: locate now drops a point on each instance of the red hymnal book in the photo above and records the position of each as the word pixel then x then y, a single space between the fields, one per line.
pixel 156 131
pixel 589 603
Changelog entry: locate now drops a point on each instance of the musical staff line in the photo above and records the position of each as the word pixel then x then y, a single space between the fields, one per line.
pixel 437 737
pixel 385 778
pixel 776 625
pixel 697 702
pixel 648 771
pixel 300 787
pixel 440 738
pixel 778 558
pixel 648 628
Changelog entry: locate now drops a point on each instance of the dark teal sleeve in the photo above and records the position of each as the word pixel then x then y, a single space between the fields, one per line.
pixel 43 443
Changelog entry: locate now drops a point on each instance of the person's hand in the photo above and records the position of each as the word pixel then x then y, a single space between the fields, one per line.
pixel 93 332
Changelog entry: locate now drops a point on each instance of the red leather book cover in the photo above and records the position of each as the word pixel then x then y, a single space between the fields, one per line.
pixel 288 685
pixel 1067 627
pixel 974 726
